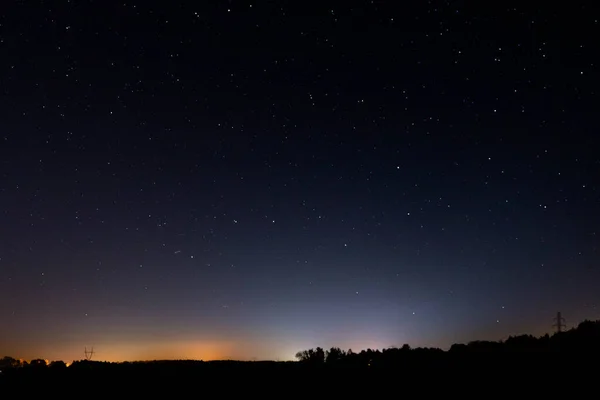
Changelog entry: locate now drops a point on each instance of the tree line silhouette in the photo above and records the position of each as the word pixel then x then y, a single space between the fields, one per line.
pixel 515 361
pixel 585 338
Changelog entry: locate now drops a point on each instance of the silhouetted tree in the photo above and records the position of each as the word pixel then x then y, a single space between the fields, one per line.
pixel 38 363
pixel 315 356
pixel 303 355
pixel 9 362
pixel 334 355
pixel 58 365
pixel 458 348
pixel 319 355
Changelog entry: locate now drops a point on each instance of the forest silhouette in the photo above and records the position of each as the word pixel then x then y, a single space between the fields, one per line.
pixel 517 360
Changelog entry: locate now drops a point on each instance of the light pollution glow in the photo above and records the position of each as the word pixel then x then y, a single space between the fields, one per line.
pixel 136 350
pixel 123 343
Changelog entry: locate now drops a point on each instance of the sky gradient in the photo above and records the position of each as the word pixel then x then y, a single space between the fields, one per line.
pixel 246 180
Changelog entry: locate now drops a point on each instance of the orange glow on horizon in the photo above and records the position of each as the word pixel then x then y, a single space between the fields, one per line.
pixel 177 350
pixel 206 350
pixel 115 349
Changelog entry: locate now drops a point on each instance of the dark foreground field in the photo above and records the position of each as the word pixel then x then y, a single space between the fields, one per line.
pixel 482 376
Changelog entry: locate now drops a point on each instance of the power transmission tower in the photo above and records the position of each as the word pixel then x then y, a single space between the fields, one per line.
pixel 89 354
pixel 560 323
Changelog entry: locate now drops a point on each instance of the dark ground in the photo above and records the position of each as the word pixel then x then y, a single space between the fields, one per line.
pixel 482 376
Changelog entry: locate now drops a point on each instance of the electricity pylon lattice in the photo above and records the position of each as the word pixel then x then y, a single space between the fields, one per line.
pixel 560 323
pixel 89 354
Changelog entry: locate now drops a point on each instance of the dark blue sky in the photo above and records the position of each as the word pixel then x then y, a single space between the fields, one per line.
pixel 249 179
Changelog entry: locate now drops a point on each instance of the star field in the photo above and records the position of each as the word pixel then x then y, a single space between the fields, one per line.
pixel 248 179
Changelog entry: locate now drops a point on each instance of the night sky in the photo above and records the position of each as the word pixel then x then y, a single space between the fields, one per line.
pixel 203 179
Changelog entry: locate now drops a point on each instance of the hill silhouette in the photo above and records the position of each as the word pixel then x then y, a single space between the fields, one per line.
pixel 515 362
